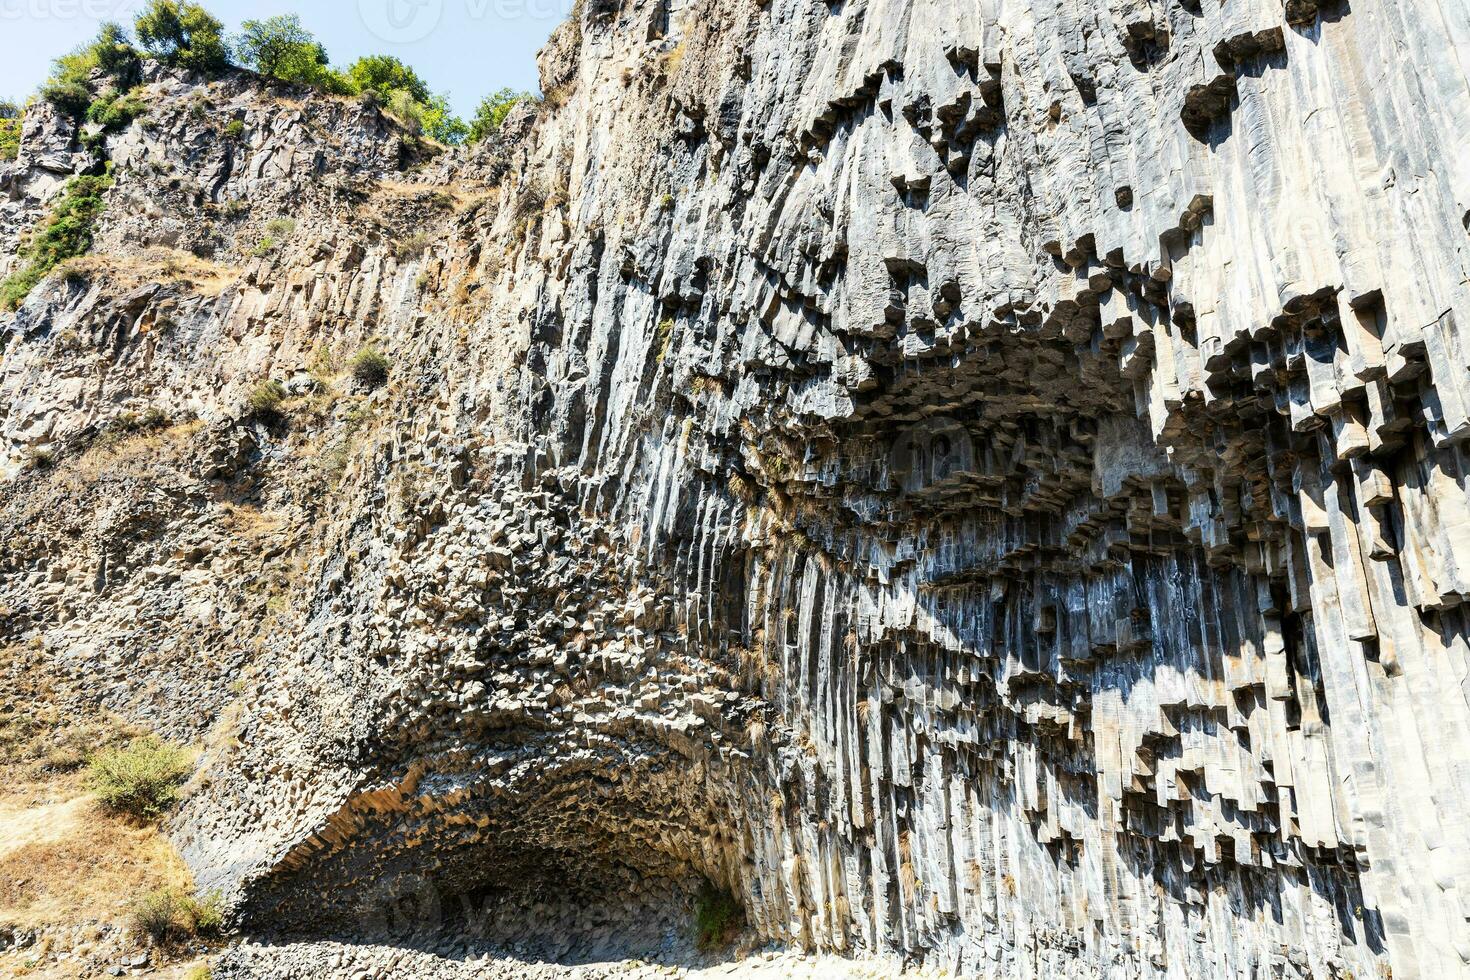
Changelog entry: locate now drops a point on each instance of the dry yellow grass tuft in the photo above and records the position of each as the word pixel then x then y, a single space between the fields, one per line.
pixel 456 197
pixel 137 455
pixel 153 265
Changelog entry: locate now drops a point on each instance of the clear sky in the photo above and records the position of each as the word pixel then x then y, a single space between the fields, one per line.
pixel 466 48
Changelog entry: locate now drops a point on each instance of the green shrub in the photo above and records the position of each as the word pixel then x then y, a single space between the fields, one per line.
pixel 280 228
pixel 67 234
pixel 492 112
pixel 141 779
pixel 276 230
pixel 114 111
pixel 95 142
pixel 382 75
pixel 68 88
pixel 12 118
pixel 207 914
pixel 72 98
pixel 168 916
pixel 432 118
pixel 411 247
pixel 369 368
pixel 407 110
pixel 183 35
pixel 717 917
pixel 115 55
pixel 266 398
pixel 234 129
pixel 40 459
pixel 441 124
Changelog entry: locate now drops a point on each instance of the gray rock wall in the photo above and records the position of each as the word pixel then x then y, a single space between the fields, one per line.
pixel 982 482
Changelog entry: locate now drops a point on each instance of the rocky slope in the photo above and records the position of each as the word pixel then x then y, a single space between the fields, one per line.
pixel 983 483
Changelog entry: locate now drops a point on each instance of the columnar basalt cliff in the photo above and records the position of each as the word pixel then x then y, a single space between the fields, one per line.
pixel 983 482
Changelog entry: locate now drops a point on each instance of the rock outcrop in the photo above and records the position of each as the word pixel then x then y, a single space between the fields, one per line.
pixel 983 483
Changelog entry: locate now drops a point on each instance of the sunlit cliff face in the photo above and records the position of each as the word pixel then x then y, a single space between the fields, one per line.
pixel 981 481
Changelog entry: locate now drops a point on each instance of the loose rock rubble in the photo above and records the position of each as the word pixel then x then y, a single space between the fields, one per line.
pixel 364 962
pixel 981 483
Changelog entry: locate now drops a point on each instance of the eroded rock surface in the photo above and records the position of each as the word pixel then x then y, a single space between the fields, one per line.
pixel 982 482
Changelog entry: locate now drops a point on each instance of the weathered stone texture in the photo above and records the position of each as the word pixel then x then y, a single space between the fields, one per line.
pixel 985 482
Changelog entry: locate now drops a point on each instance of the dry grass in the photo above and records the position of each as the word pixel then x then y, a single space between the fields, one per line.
pixel 456 197
pixel 138 455
pixel 250 523
pixel 67 862
pixel 153 265
pixel 61 858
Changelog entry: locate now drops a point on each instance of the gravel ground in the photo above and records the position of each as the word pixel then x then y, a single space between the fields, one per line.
pixel 366 962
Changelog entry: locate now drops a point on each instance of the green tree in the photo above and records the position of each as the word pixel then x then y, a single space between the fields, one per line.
pixel 69 87
pixel 281 48
pixel 433 118
pixel 443 125
pixel 407 110
pixel 492 112
pixel 383 75
pixel 116 55
pixel 11 120
pixel 184 35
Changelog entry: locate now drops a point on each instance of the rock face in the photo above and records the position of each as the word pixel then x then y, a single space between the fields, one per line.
pixel 981 482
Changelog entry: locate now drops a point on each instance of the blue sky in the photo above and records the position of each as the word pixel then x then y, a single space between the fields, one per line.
pixel 466 48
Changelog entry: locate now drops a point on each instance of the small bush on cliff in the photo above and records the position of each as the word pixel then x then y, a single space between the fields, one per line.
pixel 170 916
pixel 113 110
pixel 410 248
pixel 277 230
pixel 11 119
pixel 111 53
pixel 369 368
pixel 66 234
pixel 664 338
pixel 280 228
pixel 141 779
pixel 183 35
pixel 717 917
pixel 265 400
pixel 432 118
pixel 493 110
